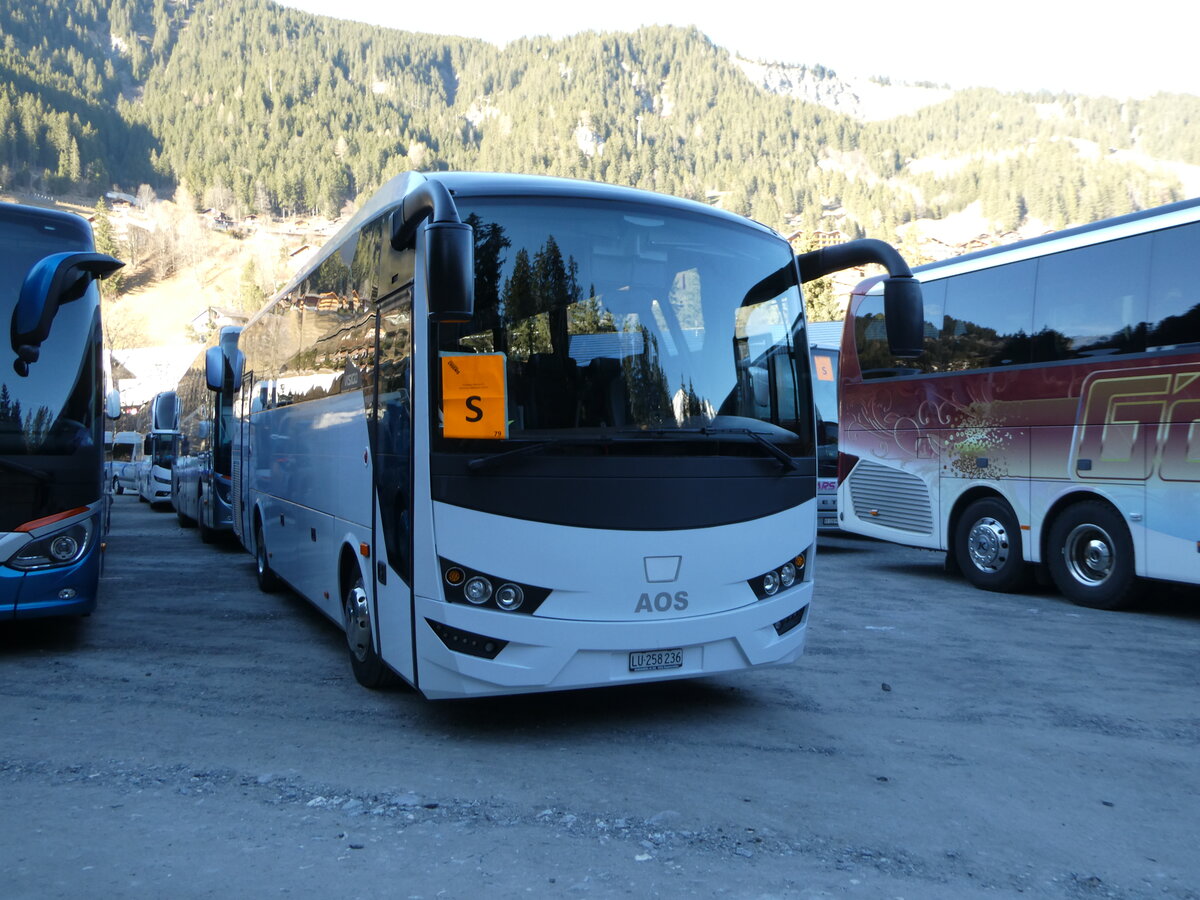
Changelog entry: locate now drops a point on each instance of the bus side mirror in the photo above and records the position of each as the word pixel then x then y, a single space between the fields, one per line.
pixel 904 315
pixel 450 271
pixel 112 405
pixel 217 376
pixel 53 281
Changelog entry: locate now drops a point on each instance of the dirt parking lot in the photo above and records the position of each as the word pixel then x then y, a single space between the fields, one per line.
pixel 196 738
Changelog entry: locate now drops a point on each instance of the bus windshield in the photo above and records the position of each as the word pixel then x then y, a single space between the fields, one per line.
pixel 617 322
pixel 50 412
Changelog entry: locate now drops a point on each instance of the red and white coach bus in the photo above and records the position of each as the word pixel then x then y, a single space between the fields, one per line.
pixel 1053 418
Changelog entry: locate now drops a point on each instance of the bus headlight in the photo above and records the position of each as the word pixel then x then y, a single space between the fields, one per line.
pixel 510 596
pixel 64 548
pixel 60 548
pixel 478 590
pixel 463 585
pixel 780 578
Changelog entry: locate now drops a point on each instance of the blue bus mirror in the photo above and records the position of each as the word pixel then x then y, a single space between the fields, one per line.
pixel 53 281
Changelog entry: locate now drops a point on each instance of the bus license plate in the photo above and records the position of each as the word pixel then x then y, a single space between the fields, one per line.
pixel 655 660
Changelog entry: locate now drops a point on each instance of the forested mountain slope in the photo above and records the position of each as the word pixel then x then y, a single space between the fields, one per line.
pixel 260 108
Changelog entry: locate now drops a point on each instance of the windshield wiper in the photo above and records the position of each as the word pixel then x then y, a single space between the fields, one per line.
pixel 774 449
pixel 708 430
pixel 486 462
pixel 24 470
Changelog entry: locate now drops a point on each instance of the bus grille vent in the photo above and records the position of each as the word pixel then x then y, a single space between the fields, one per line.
pixel 891 498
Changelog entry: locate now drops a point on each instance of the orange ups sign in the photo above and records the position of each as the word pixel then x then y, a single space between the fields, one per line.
pixel 474 403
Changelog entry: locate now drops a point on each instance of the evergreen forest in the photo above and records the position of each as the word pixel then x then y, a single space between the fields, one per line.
pixel 256 108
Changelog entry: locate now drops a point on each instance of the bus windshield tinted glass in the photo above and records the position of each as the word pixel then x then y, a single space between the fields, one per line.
pixel 632 323
pixel 51 410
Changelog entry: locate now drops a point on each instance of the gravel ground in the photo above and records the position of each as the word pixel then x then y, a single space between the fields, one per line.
pixel 195 738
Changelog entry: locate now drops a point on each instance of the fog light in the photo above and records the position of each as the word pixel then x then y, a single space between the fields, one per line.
pixel 787 575
pixel 770 583
pixel 478 590
pixel 64 547
pixel 66 594
pixel 509 597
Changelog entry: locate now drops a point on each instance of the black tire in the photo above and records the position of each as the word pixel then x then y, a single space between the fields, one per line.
pixel 268 581
pixel 369 669
pixel 142 499
pixel 207 535
pixel 1090 556
pixel 184 521
pixel 117 489
pixel 987 547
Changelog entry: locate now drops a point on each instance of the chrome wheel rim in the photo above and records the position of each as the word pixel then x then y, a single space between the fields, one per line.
pixel 357 614
pixel 988 545
pixel 1089 554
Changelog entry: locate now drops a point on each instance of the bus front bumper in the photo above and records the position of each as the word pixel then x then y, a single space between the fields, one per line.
pixel 66 591
pixel 537 654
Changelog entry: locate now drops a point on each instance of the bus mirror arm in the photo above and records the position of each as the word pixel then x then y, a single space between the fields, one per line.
pixel 904 313
pixel 827 260
pixel 449 250
pixel 52 282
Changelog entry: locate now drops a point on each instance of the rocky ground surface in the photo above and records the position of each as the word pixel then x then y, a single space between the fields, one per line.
pixel 196 738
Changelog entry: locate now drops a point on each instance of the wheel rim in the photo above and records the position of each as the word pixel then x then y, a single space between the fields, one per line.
pixel 357 613
pixel 988 544
pixel 1089 554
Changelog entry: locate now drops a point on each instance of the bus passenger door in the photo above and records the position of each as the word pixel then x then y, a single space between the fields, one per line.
pixel 392 447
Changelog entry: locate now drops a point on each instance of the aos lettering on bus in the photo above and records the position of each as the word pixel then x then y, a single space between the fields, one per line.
pixel 662 602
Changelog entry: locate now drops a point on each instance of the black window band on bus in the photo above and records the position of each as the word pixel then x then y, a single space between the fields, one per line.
pixel 1121 297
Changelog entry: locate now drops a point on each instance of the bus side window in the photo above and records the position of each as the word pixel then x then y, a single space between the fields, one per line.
pixel 870 335
pixel 989 317
pixel 1173 318
pixel 1091 301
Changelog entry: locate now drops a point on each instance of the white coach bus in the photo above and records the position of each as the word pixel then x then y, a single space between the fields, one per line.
pixel 520 434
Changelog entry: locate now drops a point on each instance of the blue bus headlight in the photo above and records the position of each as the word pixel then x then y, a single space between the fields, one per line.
pixel 64 548
pixel 60 548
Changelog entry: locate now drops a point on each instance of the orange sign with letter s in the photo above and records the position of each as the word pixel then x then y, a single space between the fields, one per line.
pixel 474 396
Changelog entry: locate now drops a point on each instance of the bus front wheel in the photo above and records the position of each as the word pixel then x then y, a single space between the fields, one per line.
pixel 268 581
pixel 1090 556
pixel 369 668
pixel 987 547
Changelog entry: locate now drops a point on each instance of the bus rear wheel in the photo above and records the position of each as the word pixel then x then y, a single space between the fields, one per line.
pixel 369 668
pixel 1090 556
pixel 987 547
